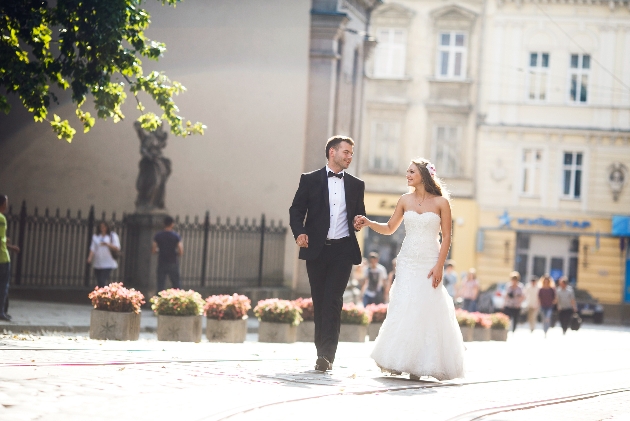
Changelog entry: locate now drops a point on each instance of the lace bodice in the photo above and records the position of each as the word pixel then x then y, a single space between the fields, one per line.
pixel 421 240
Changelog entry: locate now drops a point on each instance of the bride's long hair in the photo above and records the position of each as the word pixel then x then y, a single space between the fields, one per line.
pixel 432 184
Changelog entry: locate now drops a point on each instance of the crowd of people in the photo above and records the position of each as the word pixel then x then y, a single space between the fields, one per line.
pixel 371 284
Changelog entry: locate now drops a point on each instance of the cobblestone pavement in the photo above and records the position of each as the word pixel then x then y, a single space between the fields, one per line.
pixel 69 377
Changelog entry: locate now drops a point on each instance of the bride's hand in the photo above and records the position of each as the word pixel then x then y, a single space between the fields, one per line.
pixel 436 273
pixel 360 221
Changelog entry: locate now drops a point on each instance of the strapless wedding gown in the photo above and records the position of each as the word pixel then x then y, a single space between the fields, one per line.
pixel 420 334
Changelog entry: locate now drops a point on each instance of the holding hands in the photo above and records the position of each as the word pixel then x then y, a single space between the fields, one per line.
pixel 360 221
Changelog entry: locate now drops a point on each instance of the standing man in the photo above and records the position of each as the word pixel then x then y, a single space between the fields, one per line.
pixel 322 219
pixel 374 285
pixel 566 303
pixel 5 259
pixel 168 245
pixel 449 279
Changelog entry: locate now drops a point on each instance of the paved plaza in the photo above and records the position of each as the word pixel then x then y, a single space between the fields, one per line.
pixel 584 375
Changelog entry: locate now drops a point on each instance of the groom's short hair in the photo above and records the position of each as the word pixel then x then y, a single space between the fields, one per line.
pixel 335 141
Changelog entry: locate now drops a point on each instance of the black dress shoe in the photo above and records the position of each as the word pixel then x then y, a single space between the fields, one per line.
pixel 323 364
pixel 5 317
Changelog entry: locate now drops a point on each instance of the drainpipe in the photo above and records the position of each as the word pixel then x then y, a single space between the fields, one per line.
pixel 478 117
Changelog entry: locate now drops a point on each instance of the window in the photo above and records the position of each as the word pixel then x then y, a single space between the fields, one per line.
pixel 446 141
pixel 531 165
pixel 572 175
pixel 451 60
pixel 389 57
pixel 384 147
pixel 579 70
pixel 538 76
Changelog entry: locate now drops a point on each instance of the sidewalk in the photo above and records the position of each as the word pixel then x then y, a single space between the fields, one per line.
pixel 34 316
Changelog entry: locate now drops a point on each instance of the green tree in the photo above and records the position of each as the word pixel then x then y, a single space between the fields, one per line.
pixel 89 47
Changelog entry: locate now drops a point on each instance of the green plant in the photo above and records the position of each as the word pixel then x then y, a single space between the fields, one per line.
pixel 499 321
pixel 351 314
pixel 227 307
pixel 115 297
pixel 177 302
pixel 378 312
pixel 306 304
pixel 464 318
pixel 278 311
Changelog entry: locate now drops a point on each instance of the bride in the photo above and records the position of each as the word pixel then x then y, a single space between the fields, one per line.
pixel 420 335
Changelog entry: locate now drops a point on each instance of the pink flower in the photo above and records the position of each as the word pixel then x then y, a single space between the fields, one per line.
pixel 431 169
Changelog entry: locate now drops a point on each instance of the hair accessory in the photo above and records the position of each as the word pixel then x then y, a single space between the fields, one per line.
pixel 431 169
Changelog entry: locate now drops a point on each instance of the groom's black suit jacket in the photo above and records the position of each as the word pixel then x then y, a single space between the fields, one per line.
pixel 310 212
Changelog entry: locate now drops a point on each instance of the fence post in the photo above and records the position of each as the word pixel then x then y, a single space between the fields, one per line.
pixel 204 257
pixel 262 249
pixel 90 230
pixel 22 229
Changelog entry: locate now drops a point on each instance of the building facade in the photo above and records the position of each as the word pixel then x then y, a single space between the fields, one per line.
pixel 525 110
pixel 554 143
pixel 271 80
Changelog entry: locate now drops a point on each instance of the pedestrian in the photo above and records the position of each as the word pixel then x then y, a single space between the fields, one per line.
pixel 566 303
pixel 514 297
pixel 105 245
pixel 5 259
pixel 167 244
pixel 391 277
pixel 322 218
pixel 469 291
pixel 450 278
pixel 376 277
pixel 547 300
pixel 533 306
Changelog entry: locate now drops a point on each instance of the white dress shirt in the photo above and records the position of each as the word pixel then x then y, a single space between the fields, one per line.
pixel 338 213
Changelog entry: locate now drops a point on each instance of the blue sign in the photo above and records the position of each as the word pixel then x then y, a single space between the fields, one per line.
pixel 621 225
pixel 555 274
pixel 505 221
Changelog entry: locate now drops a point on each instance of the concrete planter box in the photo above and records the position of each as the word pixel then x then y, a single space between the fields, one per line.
pixel 179 328
pixel 229 331
pixel 467 333
pixel 114 325
pixel 277 332
pixel 498 334
pixel 481 334
pixel 306 331
pixel 373 329
pixel 352 333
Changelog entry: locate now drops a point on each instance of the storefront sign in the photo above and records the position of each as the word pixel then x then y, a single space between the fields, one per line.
pixel 621 225
pixel 505 221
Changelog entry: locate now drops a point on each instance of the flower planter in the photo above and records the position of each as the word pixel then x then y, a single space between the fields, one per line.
pixel 179 328
pixel 498 334
pixel 277 332
pixel 306 331
pixel 352 333
pixel 467 333
pixel 481 334
pixel 373 329
pixel 229 331
pixel 114 325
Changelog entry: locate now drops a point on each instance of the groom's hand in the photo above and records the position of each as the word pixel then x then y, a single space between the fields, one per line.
pixel 302 240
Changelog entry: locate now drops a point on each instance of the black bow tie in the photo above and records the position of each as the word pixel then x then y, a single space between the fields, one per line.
pixel 332 174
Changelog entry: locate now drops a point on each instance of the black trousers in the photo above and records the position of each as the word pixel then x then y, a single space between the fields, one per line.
pixel 565 318
pixel 328 275
pixel 514 314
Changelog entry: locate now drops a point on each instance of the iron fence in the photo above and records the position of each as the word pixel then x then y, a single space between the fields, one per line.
pixel 222 255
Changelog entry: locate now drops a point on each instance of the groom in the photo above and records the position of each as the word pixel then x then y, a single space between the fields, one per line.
pixel 322 219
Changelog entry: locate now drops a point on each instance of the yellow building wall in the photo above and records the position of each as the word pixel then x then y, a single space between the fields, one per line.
pixel 496 261
pixel 465 214
pixel 601 271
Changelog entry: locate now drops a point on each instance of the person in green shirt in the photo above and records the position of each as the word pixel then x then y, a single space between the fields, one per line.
pixel 5 258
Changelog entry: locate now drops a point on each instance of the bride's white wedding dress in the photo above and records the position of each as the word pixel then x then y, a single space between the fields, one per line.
pixel 420 334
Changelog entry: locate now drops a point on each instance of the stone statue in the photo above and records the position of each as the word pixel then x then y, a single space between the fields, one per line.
pixel 154 169
pixel 617 174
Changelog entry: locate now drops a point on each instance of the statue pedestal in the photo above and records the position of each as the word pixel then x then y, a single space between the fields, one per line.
pixel 140 264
